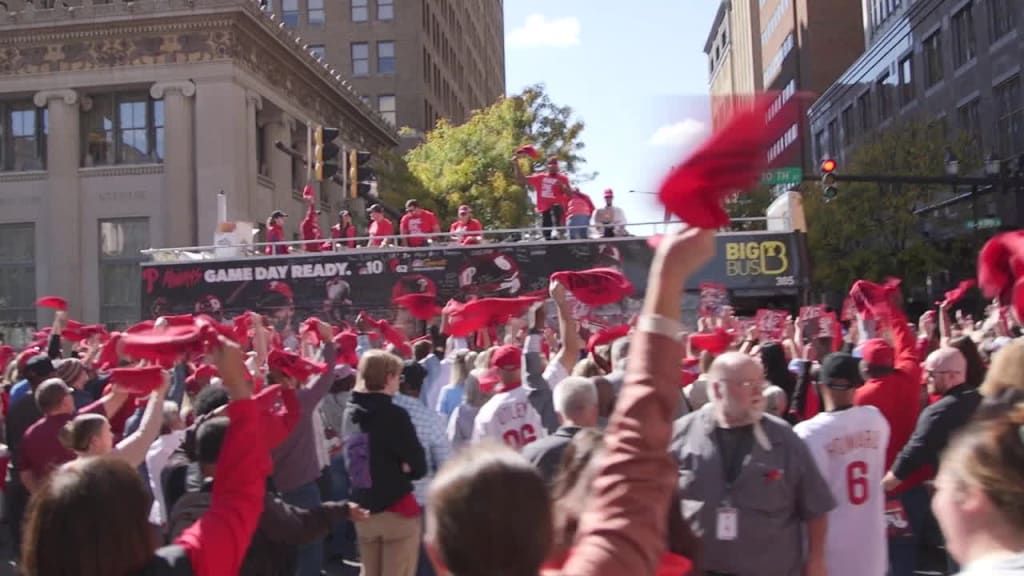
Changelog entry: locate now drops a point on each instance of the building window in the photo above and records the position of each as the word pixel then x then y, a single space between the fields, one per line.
pixel 969 118
pixel 23 130
pixel 121 243
pixel 884 98
pixel 907 80
pixel 864 111
pixel 317 50
pixel 386 106
pixel 819 146
pixel 773 68
pixel 18 274
pixel 360 10
pixel 933 59
pixel 1008 111
pixel 848 127
pixel 315 12
pixel 360 59
pixel 1002 17
pixel 123 129
pixel 290 12
pixel 964 45
pixel 833 138
pixel 385 9
pixel 385 57
pixel 267 6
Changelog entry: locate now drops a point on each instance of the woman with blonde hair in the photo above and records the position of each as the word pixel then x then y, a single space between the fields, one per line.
pixel 451 393
pixel 979 497
pixel 1006 373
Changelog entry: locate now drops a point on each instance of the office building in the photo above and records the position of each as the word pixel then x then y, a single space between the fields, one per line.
pixel 733 49
pixel 121 122
pixel 414 62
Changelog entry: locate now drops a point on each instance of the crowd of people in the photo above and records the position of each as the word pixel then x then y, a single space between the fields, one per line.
pixel 564 210
pixel 188 446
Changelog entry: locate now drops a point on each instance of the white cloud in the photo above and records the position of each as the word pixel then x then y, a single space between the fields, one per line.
pixel 538 32
pixel 684 133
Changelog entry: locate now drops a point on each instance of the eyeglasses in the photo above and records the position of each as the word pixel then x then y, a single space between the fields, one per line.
pixel 745 384
pixel 931 373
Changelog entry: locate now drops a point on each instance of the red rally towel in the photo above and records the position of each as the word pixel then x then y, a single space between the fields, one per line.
pixel 595 287
pixel 874 300
pixel 421 306
pixel 465 318
pixel 957 294
pixel 1001 270
pixel 293 365
pixel 730 161
pixel 528 150
pixel 393 336
pixel 54 302
pixel 716 342
pixel 138 381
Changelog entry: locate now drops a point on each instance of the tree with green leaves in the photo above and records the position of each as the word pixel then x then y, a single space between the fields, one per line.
pixel 469 163
pixel 871 231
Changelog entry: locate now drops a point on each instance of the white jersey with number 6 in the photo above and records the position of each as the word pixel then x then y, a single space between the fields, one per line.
pixel 849 448
pixel 510 418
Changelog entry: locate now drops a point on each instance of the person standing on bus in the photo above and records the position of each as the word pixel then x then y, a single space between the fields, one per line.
pixel 462 227
pixel 275 233
pixel 381 227
pixel 610 221
pixel 552 188
pixel 415 223
pixel 580 207
pixel 344 230
pixel 310 227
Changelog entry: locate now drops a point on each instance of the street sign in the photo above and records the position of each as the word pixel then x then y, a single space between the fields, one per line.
pixel 786 175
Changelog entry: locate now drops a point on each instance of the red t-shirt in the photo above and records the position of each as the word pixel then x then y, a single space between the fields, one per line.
pixel 41 451
pixel 378 229
pixel 579 205
pixel 311 230
pixel 276 234
pixel 348 232
pixel 412 225
pixel 550 189
pixel 460 229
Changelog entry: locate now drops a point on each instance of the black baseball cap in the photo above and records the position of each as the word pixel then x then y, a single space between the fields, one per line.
pixel 278 214
pixel 413 375
pixel 39 365
pixel 841 371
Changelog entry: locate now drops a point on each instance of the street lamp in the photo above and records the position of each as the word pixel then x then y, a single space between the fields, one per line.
pixel 993 165
pixel 952 163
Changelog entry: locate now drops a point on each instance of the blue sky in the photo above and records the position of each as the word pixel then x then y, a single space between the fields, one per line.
pixel 635 73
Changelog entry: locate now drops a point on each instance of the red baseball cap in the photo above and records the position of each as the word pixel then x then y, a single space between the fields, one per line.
pixel 878 352
pixel 507 358
pixel 489 381
pixel 464 208
pixel 608 193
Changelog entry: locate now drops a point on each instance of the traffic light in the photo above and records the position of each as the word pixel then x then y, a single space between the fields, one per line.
pixel 360 174
pixel 828 180
pixel 325 153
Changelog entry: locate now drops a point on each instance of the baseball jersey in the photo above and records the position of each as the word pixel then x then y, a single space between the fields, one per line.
pixel 849 448
pixel 510 418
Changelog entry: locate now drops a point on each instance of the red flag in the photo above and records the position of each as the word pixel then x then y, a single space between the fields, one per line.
pixel 595 287
pixel 421 306
pixel 465 318
pixel 1001 270
pixel 731 161
pixel 957 294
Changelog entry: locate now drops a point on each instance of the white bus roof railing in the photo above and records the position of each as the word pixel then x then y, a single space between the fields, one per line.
pixel 226 251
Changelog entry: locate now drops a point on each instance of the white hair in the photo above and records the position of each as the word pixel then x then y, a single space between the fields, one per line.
pixel 573 395
pixel 774 400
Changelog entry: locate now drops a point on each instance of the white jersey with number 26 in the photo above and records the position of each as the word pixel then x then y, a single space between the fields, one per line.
pixel 510 418
pixel 849 448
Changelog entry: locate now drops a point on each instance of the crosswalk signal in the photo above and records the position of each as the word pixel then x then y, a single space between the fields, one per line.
pixel 828 180
pixel 325 153
pixel 361 177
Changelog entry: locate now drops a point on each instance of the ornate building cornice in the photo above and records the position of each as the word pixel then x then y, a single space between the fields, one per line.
pixel 160 32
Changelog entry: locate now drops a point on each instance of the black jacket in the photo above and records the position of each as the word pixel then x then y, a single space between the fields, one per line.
pixel 935 426
pixel 379 438
pixel 546 453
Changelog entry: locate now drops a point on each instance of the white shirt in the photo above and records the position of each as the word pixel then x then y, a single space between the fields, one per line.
pixel 606 216
pixel 156 460
pixel 510 418
pixel 849 449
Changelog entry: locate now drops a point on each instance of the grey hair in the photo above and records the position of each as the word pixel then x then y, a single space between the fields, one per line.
pixel 774 400
pixel 472 394
pixel 620 352
pixel 573 395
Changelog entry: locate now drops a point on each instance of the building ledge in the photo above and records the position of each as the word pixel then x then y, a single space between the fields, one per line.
pixel 24 176
pixel 266 181
pixel 124 170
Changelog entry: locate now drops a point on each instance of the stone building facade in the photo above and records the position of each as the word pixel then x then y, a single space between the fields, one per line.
pixel 121 122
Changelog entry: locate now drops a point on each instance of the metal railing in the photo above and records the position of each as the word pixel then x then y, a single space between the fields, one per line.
pixel 504 236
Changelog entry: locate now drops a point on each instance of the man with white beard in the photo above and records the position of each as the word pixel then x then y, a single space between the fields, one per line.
pixel 748 485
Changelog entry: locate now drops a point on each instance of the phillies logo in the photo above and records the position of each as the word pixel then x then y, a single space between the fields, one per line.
pixel 171 279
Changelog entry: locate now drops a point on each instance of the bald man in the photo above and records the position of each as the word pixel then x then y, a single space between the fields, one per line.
pixel 748 485
pixel 946 369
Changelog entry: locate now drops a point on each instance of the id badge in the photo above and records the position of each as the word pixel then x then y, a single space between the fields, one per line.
pixel 727 524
